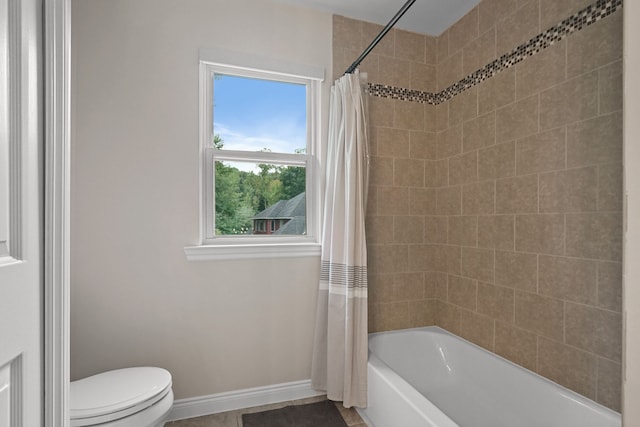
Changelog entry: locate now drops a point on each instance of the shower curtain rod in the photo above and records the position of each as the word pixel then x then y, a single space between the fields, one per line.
pixel 379 37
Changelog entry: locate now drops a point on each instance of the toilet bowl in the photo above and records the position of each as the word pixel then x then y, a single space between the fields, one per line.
pixel 130 397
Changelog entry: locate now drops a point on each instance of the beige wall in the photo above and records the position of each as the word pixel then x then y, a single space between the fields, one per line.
pixel 217 326
pixel 498 214
pixel 631 409
pixel 403 144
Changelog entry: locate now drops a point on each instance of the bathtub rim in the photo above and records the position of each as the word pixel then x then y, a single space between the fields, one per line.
pixel 422 407
pixel 438 330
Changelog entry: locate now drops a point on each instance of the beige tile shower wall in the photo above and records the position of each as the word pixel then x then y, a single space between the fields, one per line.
pixel 528 176
pixel 403 167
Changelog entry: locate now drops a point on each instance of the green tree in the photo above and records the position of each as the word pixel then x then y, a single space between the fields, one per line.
pixel 233 216
pixel 228 201
pixel 293 181
pixel 266 185
pixel 239 195
pixel 293 178
pixel 218 142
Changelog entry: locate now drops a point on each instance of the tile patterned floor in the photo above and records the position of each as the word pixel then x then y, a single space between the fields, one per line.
pixel 234 418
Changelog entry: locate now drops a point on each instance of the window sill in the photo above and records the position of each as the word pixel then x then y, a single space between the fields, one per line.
pixel 251 251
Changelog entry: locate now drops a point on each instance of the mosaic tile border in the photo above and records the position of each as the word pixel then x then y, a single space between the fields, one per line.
pixel 585 17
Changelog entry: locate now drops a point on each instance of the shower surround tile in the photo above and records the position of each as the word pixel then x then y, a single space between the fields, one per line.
pixel 423 145
pixel 449 142
pixel 463 31
pixel 570 367
pixel 423 77
pixel 435 230
pixel 539 314
pixel 570 279
pixel 408 229
pixel 543 234
pixel 408 172
pixel 386 46
pixel 477 328
pixel 518 27
pixel 608 392
pixel 496 232
pixel 573 100
pixel 478 264
pixel 610 286
pixel 462 292
pixel 520 243
pixel 595 141
pixel 479 52
pixel 449 72
pixel 541 71
pixel 497 302
pixel 517 194
pixel 497 91
pixel 542 152
pixel 463 107
pixel 517 120
pixel 479 132
pixel 409 115
pixel 516 344
pixel 594 330
pixel 610 187
pixel 497 161
pixel 595 46
pixel 551 9
pixel 463 230
pixel 521 28
pixel 410 46
pixel 493 11
pixel 571 190
pixel 449 201
pixel 463 169
pixel 448 316
pixel 595 235
pixel 610 87
pixel 422 201
pixel 517 270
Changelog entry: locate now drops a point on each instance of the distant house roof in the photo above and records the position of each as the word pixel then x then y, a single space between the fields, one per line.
pixel 296 225
pixel 285 209
pixel 295 210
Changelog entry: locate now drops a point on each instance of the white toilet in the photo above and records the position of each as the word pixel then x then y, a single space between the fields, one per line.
pixel 131 397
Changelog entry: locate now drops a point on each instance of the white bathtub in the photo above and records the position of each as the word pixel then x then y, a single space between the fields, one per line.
pixel 427 377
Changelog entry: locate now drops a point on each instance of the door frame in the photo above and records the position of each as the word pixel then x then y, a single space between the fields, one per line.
pixel 57 119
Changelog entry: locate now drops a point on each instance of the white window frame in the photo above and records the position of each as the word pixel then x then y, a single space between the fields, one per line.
pixel 214 246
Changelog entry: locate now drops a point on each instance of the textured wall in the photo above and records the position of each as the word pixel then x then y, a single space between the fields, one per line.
pixel 504 224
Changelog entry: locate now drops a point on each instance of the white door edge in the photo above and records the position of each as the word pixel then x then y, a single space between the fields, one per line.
pixel 57 75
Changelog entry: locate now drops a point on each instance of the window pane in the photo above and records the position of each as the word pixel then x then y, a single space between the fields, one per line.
pixel 259 115
pixel 261 199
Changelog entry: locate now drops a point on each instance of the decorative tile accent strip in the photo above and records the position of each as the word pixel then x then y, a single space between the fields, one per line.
pixel 402 94
pixel 585 17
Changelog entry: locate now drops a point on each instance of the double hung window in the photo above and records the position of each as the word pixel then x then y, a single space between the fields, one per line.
pixel 259 152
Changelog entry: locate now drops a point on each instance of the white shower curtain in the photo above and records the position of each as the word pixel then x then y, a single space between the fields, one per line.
pixel 339 364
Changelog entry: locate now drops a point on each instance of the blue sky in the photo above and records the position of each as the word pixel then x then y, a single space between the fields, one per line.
pixel 252 114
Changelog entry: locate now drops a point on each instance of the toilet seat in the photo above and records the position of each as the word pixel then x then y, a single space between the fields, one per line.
pixel 113 395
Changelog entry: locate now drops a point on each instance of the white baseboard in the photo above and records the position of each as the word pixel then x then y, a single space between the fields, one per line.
pixel 229 401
